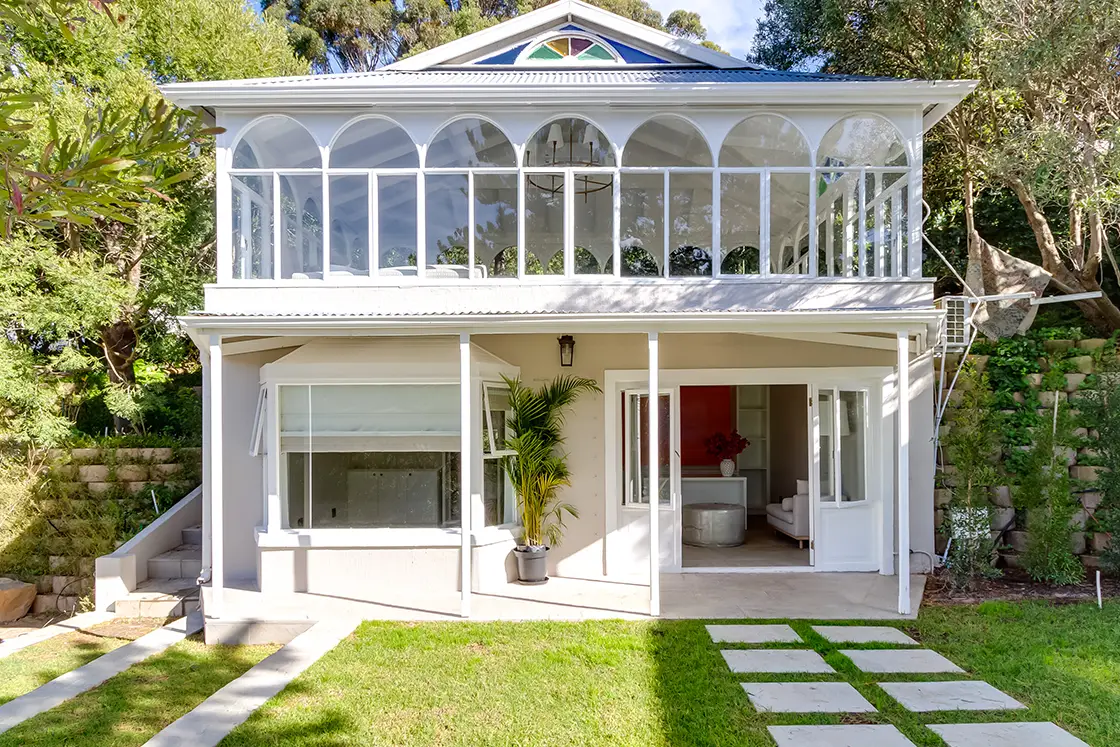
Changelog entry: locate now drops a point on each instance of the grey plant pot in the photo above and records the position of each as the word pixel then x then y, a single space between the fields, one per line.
pixel 532 565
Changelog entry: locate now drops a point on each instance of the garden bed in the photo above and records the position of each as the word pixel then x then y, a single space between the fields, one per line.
pixel 1014 586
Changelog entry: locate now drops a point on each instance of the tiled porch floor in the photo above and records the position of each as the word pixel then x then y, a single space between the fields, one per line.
pixel 825 596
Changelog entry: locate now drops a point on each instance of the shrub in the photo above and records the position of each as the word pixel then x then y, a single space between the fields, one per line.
pixel 1100 410
pixel 973 446
pixel 1045 491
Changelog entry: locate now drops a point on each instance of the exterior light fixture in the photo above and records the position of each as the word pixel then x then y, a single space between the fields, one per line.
pixel 567 350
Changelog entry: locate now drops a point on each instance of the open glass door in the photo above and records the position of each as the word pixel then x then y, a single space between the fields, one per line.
pixel 665 479
pixel 843 515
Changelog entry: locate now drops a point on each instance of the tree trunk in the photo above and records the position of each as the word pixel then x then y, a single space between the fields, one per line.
pixel 118 341
pixel 1101 312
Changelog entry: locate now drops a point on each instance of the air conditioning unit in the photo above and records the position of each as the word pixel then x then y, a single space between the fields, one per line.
pixel 956 331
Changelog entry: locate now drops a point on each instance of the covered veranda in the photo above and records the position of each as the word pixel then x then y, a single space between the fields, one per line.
pixel 676 595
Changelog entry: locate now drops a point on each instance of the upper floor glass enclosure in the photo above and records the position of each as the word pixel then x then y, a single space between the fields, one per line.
pixel 470 204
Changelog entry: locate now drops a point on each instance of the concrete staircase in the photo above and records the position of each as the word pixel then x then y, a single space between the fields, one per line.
pixel 171 589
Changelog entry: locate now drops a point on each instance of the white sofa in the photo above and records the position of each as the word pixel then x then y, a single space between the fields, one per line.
pixel 791 515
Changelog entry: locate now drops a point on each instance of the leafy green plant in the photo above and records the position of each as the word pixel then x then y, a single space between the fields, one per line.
pixel 973 447
pixel 1045 492
pixel 539 468
pixel 1100 410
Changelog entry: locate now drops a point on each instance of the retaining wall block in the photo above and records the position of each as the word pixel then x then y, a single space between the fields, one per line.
pixel 1034 379
pixel 1001 496
pixel 1093 343
pixel 1090 500
pixel 1084 364
pixel 163 471
pixel 1001 517
pixel 1017 539
pixel 1077 543
pixel 93 473
pixel 1091 562
pixel 1047 398
pixel 1085 473
pixel 132 473
pixel 941 497
pixel 1053 346
pixel 1101 541
pixel 1074 381
pixel 1080 518
pixel 99 488
pixel 88 455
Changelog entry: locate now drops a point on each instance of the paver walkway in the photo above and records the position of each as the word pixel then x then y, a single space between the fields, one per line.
pixel 843 697
pixel 71 624
pixel 222 712
pixel 86 677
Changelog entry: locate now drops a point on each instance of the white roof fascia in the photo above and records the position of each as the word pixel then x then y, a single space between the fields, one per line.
pixel 304 92
pixel 569 10
pixel 854 320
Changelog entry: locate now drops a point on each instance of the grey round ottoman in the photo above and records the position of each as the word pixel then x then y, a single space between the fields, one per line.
pixel 713 524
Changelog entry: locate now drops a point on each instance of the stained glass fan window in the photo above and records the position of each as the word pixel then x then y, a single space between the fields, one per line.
pixel 568 48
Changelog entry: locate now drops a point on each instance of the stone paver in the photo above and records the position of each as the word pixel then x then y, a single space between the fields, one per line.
pixel 806 697
pixel 901 661
pixel 71 624
pixel 753 634
pixel 776 660
pixel 864 634
pixel 965 695
pixel 848 735
pixel 222 712
pixel 1032 734
pixel 88 676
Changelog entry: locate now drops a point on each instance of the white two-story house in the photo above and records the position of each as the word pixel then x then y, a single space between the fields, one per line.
pixel 566 192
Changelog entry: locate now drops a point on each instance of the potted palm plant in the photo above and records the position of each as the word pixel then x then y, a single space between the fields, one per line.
pixel 538 468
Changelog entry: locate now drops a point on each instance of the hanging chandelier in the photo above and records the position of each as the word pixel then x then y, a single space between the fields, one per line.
pixel 564 152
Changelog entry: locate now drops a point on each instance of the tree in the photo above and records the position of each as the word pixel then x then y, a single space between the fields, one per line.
pixel 1042 126
pixel 102 181
pixel 362 35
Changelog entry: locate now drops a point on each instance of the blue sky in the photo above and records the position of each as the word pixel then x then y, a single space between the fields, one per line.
pixel 730 23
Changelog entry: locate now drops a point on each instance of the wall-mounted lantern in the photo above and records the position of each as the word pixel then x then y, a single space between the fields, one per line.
pixel 567 350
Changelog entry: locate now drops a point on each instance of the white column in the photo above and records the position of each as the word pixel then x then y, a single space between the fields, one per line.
pixel 214 479
pixel 654 481
pixel 204 358
pixel 903 473
pixel 465 472
pixel 274 512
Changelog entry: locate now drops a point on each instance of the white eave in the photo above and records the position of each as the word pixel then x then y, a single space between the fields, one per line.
pixel 419 90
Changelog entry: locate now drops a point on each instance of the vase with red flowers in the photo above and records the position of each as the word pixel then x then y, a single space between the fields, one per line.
pixel 725 447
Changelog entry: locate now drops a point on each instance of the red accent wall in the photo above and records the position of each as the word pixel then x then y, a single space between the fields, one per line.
pixel 704 410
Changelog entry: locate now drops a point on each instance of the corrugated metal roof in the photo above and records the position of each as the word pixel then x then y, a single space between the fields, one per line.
pixel 566 77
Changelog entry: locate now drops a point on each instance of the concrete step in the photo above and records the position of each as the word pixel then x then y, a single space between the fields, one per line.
pixel 160 597
pixel 185 561
pixel 192 536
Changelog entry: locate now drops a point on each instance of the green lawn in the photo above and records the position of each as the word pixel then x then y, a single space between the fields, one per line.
pixel 129 709
pixel 36 665
pixel 664 682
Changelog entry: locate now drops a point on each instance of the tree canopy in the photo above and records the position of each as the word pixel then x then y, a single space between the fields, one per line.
pixel 1038 138
pixel 106 219
pixel 362 35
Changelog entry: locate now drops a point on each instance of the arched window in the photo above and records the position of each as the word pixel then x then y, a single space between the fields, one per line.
pixel 373 214
pixel 666 156
pixel 765 198
pixel 862 199
pixel 571 49
pixel 569 168
pixel 470 201
pixel 276 176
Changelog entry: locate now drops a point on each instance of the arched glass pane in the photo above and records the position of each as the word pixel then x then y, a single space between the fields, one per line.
pixel 374 144
pixel 862 141
pixel 275 143
pixel 666 141
pixel 569 142
pixel 764 140
pixel 470 143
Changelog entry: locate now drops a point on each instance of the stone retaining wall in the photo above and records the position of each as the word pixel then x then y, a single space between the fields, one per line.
pixel 1081 461
pixel 80 486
